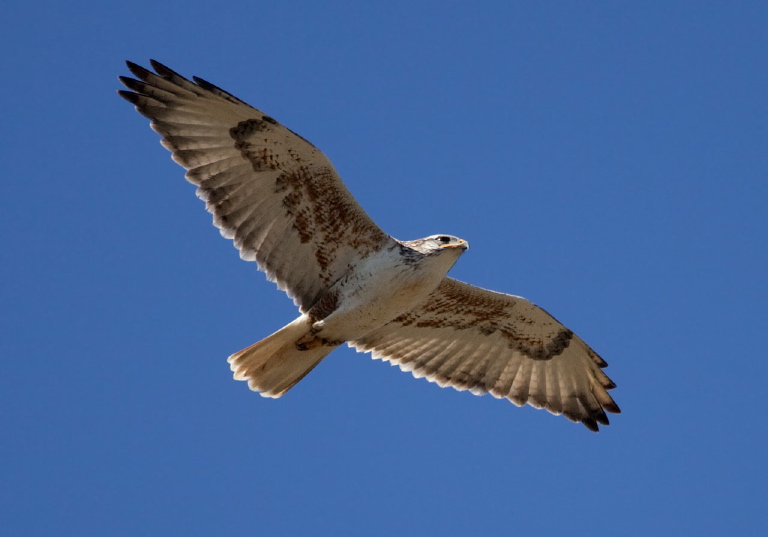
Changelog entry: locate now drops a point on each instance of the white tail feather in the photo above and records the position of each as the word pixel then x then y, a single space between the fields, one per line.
pixel 274 365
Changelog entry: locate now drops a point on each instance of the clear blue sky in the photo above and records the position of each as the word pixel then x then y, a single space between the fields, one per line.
pixel 606 160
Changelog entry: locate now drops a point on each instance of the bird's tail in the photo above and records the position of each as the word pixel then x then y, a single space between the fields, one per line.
pixel 276 363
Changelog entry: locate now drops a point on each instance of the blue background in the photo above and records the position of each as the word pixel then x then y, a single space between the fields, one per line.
pixel 606 160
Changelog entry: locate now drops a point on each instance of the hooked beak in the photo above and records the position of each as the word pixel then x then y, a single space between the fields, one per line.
pixel 461 244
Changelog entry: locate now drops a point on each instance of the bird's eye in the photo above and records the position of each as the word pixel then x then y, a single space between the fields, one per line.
pixel 444 239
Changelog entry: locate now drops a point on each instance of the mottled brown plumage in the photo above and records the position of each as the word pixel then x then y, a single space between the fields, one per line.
pixel 283 204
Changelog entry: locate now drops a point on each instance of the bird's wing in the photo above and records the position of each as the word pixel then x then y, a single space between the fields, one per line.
pixel 272 192
pixel 474 339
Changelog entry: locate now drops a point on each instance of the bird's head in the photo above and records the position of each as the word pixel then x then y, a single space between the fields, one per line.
pixel 439 244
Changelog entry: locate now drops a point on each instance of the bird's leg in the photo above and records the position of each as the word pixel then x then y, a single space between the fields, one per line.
pixel 312 341
pixel 308 342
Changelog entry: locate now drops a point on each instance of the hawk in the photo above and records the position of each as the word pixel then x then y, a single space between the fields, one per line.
pixel 283 204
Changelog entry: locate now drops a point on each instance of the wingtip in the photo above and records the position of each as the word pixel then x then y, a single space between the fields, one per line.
pixel 601 418
pixel 203 83
pixel 163 70
pixel 131 83
pixel 129 96
pixel 156 64
pixel 591 424
pixel 137 70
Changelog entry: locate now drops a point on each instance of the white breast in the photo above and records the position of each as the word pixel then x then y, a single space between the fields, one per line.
pixel 380 288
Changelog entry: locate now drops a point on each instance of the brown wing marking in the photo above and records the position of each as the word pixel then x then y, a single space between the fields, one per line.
pixel 479 340
pixel 272 192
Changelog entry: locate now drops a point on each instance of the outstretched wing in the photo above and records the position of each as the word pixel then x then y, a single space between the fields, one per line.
pixel 270 190
pixel 474 339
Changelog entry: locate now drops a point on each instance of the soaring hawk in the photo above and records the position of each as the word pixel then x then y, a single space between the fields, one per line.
pixel 283 204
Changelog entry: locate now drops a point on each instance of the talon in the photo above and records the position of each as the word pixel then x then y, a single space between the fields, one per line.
pixel 308 342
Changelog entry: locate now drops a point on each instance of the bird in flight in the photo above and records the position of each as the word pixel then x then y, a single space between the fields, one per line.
pixel 283 204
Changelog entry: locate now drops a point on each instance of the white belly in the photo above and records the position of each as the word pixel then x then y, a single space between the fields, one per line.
pixel 379 290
